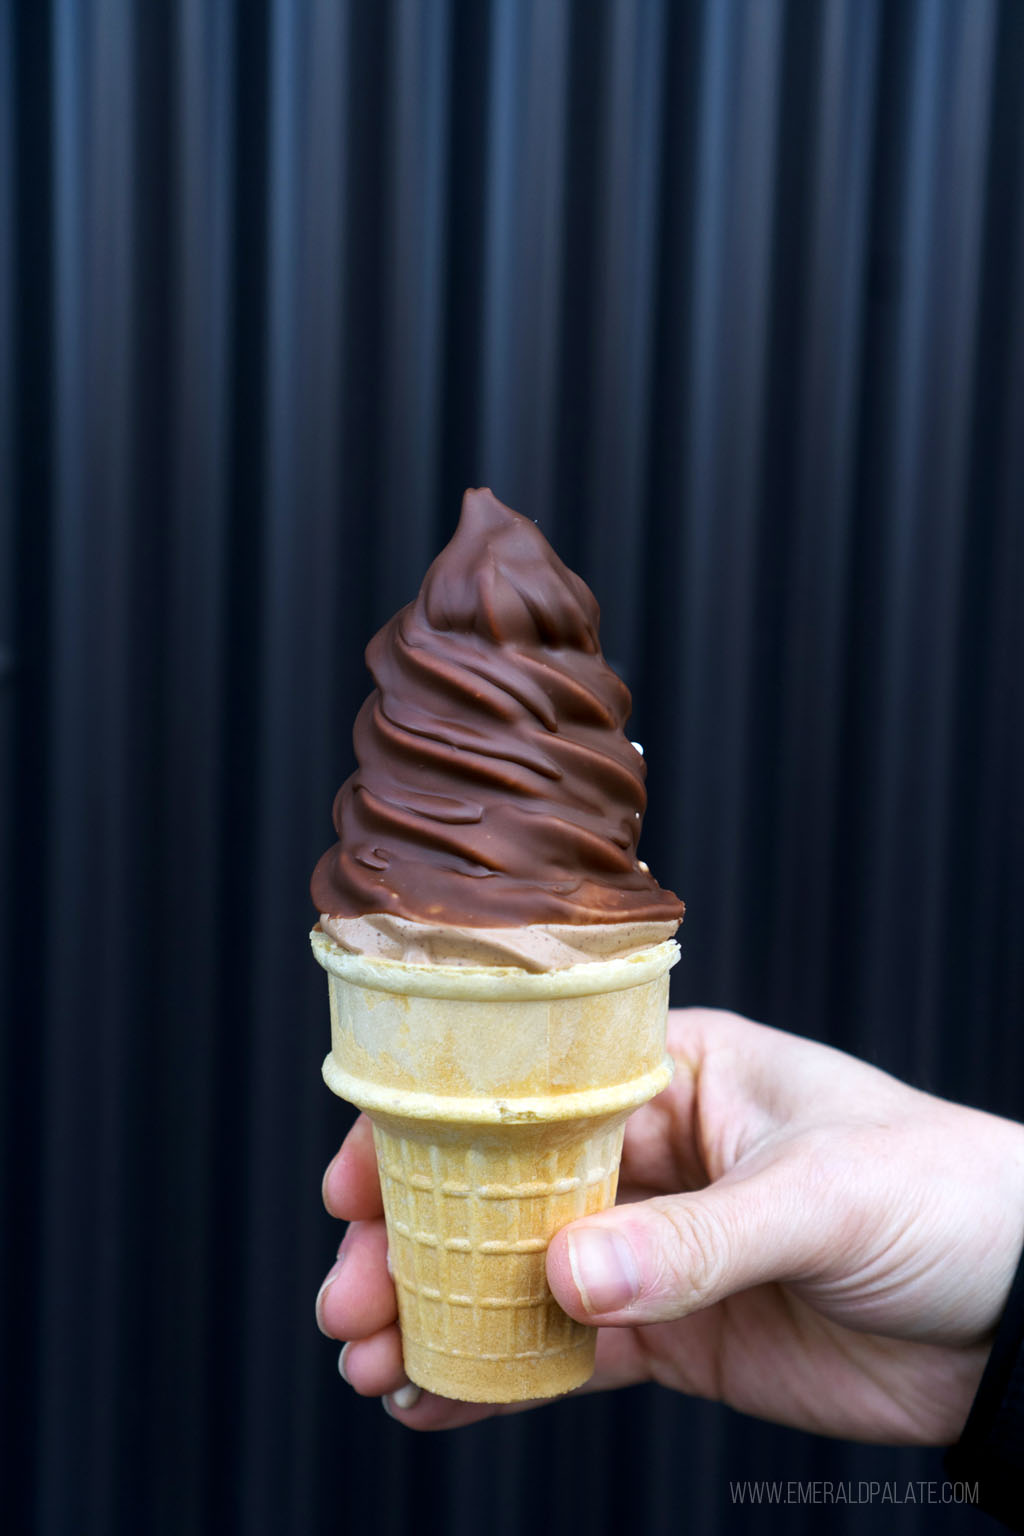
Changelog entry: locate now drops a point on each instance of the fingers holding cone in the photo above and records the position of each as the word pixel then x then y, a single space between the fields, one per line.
pixel 351 1185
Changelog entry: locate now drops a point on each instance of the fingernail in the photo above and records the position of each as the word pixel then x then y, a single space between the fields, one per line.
pixel 323 1181
pixel 332 1275
pixel 603 1268
pixel 405 1397
pixel 341 1364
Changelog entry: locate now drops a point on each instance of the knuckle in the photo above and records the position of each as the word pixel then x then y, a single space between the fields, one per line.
pixel 694 1252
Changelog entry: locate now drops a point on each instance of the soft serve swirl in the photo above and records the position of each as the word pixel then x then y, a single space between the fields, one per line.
pixel 495 786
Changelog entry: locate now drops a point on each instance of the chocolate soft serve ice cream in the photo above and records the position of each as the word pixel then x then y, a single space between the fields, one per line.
pixel 497 956
pixel 494 814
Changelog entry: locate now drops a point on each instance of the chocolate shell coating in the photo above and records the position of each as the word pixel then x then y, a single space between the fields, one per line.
pixel 495 784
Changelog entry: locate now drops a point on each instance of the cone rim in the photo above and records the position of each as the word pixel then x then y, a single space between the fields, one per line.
pixel 525 1109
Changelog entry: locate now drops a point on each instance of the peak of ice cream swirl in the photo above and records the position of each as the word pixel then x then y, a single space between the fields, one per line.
pixel 496 788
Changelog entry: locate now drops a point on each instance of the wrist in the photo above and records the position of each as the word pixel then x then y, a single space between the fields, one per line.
pixel 1006 1179
pixel 990 1451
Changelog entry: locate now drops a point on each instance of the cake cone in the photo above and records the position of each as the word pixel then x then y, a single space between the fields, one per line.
pixel 498 1099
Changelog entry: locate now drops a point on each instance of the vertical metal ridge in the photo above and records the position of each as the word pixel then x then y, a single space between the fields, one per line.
pixel 964 148
pixel 734 233
pixel 953 55
pixel 26 1129
pixel 745 339
pixel 523 230
pixel 832 318
pixel 274 1086
pixel 413 318
pixel 7 522
pixel 698 657
pixel 7 386
pixel 893 922
pixel 190 1065
pixel 658 691
pixel 631 140
pixel 998 979
pixel 93 798
pixel 328 573
pixel 10 1283
pixel 245 622
pixel 504 71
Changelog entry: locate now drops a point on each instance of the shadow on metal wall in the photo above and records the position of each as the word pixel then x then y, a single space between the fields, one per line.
pixel 729 297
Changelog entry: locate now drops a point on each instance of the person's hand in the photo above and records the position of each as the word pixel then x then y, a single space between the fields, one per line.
pixel 798 1235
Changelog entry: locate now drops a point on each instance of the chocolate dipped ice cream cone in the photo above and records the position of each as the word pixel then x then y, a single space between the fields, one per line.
pixel 497 954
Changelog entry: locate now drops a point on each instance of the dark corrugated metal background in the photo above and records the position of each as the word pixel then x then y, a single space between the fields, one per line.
pixel 730 296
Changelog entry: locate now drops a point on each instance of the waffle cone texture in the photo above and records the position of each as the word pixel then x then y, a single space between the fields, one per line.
pixel 498 1099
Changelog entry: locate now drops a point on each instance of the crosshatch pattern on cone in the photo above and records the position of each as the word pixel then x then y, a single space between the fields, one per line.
pixel 468 1230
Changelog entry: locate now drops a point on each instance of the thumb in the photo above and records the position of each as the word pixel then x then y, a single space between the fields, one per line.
pixel 664 1258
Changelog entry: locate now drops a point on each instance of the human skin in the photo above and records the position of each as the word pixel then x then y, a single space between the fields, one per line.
pixel 797 1234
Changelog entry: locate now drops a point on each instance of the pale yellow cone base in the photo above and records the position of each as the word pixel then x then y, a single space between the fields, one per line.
pixel 498 1101
pixel 469 1219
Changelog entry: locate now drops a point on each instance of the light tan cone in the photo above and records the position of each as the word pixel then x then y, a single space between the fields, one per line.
pixel 498 1099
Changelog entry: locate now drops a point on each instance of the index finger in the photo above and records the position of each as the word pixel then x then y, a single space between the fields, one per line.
pixel 686 1135
pixel 351 1187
